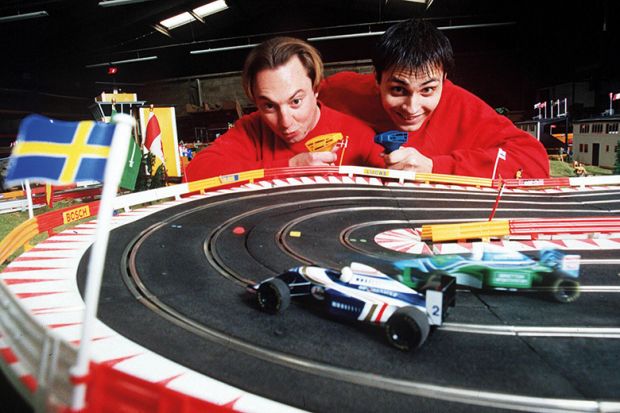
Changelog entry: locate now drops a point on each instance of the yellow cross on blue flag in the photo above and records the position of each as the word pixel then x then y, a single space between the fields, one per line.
pixel 60 152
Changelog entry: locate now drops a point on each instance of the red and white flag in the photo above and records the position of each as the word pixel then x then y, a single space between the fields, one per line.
pixel 614 96
pixel 540 105
pixel 152 140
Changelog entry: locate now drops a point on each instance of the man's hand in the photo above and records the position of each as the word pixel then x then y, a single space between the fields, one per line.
pixel 313 159
pixel 408 159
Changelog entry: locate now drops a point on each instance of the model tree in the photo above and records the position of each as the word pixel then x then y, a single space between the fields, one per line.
pixel 147 179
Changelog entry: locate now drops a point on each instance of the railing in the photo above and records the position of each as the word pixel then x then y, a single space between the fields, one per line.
pixel 469 230
pixel 533 227
pixel 16 200
pixel 587 225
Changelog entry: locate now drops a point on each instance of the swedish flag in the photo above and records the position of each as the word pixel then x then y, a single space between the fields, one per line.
pixel 60 152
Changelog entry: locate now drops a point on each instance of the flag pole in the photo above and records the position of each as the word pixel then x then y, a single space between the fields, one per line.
pixel 111 179
pixel 344 148
pixel 495 167
pixel 499 195
pixel 29 199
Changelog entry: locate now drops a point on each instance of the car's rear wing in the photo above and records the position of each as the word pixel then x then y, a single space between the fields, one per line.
pixel 570 265
pixel 567 263
pixel 440 299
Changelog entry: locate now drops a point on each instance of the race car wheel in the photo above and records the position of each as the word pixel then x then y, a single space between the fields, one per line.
pixel 407 328
pixel 273 296
pixel 564 290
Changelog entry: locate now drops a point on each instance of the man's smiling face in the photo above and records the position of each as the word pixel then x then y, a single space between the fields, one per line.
pixel 408 97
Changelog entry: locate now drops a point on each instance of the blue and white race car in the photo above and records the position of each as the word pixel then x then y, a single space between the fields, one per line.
pixel 362 293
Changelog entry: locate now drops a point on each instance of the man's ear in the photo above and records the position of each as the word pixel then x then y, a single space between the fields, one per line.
pixel 377 76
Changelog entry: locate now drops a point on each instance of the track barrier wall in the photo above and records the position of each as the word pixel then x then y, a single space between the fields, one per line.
pixel 589 225
pixel 109 389
pixel 470 230
pixel 38 362
pixel 16 200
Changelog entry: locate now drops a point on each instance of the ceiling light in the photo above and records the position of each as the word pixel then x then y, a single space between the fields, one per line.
pixel 120 62
pixel 211 8
pixel 222 49
pixel 178 20
pixel 111 3
pixel 162 30
pixel 23 16
pixel 197 17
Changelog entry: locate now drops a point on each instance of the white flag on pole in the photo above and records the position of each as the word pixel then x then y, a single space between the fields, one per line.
pixel 501 154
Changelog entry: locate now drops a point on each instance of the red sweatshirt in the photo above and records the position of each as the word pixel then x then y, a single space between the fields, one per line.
pixel 251 144
pixel 462 136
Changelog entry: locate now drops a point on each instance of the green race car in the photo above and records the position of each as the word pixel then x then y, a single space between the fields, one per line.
pixel 492 267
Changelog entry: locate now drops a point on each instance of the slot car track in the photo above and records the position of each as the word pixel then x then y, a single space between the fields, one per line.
pixel 175 283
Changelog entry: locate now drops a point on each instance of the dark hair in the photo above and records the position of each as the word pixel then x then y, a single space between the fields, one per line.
pixel 276 52
pixel 415 45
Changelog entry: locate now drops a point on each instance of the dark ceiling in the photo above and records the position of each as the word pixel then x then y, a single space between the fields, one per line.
pixel 545 42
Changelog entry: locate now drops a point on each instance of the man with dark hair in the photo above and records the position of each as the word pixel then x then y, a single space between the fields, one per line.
pixel 451 131
pixel 291 127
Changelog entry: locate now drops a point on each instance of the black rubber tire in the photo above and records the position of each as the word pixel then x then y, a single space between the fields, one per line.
pixel 407 329
pixel 564 290
pixel 273 296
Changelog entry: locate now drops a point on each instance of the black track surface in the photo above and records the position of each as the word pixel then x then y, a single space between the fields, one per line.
pixel 186 253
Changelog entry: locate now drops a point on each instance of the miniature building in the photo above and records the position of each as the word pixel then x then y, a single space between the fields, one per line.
pixel 595 140
pixel 551 132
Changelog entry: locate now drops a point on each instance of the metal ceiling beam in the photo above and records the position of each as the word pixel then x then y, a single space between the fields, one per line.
pixel 23 16
pixel 113 3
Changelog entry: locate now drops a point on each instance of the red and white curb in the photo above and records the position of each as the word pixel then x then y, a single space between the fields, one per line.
pixel 405 240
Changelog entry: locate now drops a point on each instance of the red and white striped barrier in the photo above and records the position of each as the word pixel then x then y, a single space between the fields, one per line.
pixel 590 225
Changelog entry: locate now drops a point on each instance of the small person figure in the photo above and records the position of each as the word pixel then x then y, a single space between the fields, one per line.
pixel 580 170
pixel 519 173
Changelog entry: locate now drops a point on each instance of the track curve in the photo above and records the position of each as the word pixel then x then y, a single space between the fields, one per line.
pixel 497 351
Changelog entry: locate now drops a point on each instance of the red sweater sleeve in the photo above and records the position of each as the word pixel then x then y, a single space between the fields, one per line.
pixel 250 144
pixel 360 147
pixel 464 135
pixel 356 95
pixel 239 149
